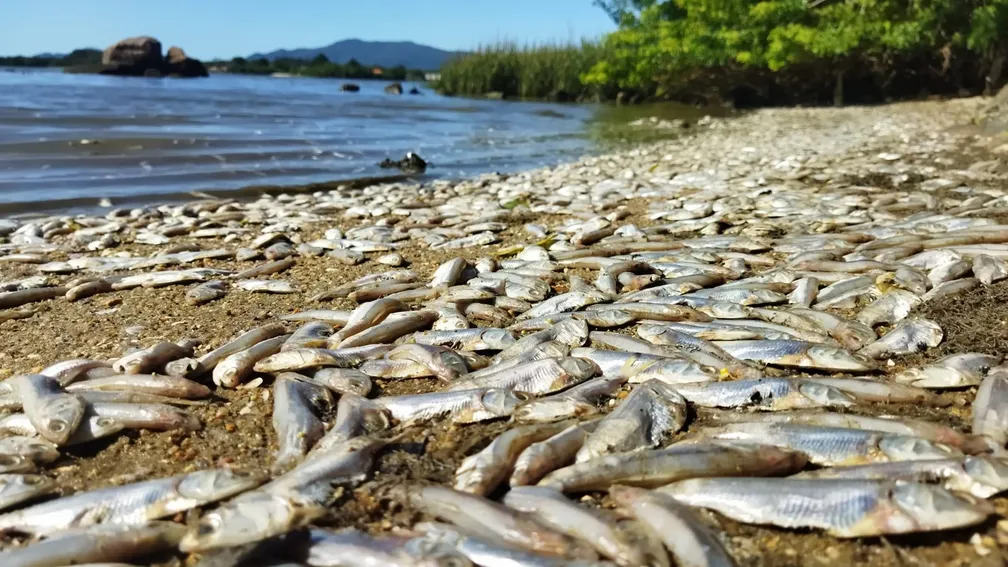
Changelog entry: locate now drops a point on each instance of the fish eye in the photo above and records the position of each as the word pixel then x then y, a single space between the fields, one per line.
pixel 57 426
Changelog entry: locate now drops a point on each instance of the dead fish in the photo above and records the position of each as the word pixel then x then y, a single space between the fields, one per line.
pixel 234 369
pixel 145 383
pixel 19 488
pixel 153 416
pixel 445 363
pixel 97 544
pixel 878 391
pixel 805 291
pixel 800 354
pixel 390 330
pixel 953 371
pixel 538 377
pixel 334 317
pixel 835 446
pixel 343 380
pixel 461 406
pixel 209 361
pixel 684 533
pixel 310 335
pixel 68 371
pixel 990 408
pixel 909 336
pixel 484 471
pixel 651 413
pixel 579 401
pixel 658 467
pixel 367 315
pixel 303 358
pixel 266 286
pixel 468 339
pixel 206 292
pixel 989 269
pixel 767 393
pixel 894 306
pixel 555 511
pixel 54 413
pixel 844 508
pixel 36 450
pixel 489 519
pixel 641 367
pixel 151 358
pixel 295 405
pixel 982 476
pixel 539 459
pixel 133 504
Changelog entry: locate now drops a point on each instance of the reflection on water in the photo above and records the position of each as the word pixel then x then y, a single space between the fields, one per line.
pixel 72 139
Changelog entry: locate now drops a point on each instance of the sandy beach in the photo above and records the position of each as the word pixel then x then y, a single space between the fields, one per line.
pixel 890 163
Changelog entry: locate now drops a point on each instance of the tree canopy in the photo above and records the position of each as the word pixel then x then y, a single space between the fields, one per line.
pixel 662 45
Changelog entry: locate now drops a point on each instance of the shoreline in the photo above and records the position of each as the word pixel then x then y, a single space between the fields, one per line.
pixel 766 176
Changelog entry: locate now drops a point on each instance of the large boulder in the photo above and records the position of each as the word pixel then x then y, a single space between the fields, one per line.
pixel 140 51
pixel 394 88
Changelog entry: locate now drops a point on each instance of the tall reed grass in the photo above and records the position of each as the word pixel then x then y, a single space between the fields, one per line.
pixel 543 71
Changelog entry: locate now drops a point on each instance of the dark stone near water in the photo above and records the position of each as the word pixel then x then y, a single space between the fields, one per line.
pixel 414 91
pixel 141 57
pixel 394 88
pixel 350 88
pixel 410 163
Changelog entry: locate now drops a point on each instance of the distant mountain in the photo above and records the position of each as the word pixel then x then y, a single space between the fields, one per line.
pixel 380 53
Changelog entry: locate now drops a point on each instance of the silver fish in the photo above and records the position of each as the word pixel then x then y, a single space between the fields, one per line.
pixel 909 336
pixel 19 488
pixel 237 367
pixel 555 511
pixel 482 472
pixel 304 358
pixel 210 360
pixel 690 540
pixel 836 446
pixel 650 414
pixel 799 354
pixel 657 467
pixel 97 544
pixel 538 459
pixel 134 504
pixel 953 371
pixel 982 476
pixel 462 406
pixel 767 393
pixel 844 508
pixel 295 403
pixel 990 408
pixel 54 413
pixel 539 377
pixel 468 339
pixel 579 401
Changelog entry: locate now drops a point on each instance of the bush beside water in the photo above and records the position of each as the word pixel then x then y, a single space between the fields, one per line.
pixel 752 52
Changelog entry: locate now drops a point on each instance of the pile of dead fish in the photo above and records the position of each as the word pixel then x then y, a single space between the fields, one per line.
pixel 734 355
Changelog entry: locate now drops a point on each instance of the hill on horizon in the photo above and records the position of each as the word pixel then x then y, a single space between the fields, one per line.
pixel 382 53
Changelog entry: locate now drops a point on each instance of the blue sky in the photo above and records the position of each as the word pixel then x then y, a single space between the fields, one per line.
pixel 225 28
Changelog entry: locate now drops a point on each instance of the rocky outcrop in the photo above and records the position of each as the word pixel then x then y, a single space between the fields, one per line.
pixel 394 88
pixel 350 88
pixel 141 57
pixel 414 91
pixel 140 51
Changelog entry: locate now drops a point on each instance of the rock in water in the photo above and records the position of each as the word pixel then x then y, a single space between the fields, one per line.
pixel 177 63
pixel 394 88
pixel 414 91
pixel 350 88
pixel 410 163
pixel 140 52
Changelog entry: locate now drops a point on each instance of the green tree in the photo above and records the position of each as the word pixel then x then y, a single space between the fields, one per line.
pixel 320 59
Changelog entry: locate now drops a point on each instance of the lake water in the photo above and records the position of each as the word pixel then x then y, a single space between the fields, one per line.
pixel 70 140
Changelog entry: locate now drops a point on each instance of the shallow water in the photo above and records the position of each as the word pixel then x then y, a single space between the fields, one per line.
pixel 70 140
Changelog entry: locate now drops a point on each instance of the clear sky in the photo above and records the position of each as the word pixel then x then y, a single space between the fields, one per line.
pixel 225 28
